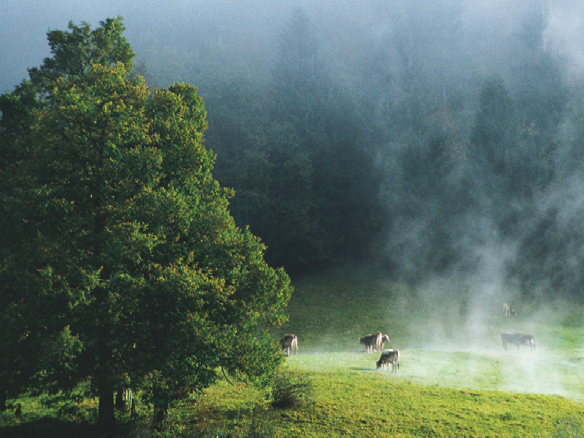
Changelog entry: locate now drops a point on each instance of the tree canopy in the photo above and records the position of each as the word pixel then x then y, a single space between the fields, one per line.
pixel 123 266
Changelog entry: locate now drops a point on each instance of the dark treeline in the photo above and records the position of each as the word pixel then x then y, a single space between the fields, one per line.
pixel 407 147
pixel 296 149
pixel 435 138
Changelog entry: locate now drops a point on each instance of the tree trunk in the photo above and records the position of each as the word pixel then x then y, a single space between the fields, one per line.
pixel 160 414
pixel 120 405
pixel 106 419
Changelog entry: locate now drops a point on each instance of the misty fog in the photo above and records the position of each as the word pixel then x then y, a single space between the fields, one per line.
pixel 444 139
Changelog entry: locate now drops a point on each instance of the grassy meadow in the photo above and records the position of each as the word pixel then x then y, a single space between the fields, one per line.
pixel 455 378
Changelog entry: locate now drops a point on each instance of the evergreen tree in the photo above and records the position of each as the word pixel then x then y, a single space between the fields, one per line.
pixel 328 122
pixel 494 133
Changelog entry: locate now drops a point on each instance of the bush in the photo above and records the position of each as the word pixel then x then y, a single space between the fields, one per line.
pixel 290 389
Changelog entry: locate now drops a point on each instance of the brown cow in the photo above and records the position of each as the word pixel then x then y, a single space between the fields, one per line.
pixel 507 310
pixel 382 342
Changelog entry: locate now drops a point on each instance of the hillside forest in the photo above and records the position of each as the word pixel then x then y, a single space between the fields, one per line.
pixel 435 139
pixel 410 147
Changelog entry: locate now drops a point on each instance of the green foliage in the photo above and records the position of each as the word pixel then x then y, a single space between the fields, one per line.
pixel 293 150
pixel 124 266
pixel 74 51
pixel 357 144
pixel 299 80
pixel 495 128
pixel 537 82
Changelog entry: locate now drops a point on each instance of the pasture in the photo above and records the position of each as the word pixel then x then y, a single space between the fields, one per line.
pixel 351 399
pixel 447 336
pixel 455 378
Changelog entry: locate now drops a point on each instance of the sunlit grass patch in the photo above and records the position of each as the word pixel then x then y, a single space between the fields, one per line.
pixel 354 399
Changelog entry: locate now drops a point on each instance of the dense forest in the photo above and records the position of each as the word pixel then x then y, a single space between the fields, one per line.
pixel 407 133
pixel 405 147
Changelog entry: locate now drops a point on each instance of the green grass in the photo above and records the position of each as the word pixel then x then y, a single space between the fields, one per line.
pixel 455 379
pixel 352 399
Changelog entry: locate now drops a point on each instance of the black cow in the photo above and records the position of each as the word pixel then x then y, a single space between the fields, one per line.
pixel 371 341
pixel 389 357
pixel 518 339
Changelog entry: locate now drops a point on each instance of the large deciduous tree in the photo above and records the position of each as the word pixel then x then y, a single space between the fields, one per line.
pixel 123 267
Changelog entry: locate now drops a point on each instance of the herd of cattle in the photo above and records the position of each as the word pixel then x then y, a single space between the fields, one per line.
pixel 375 342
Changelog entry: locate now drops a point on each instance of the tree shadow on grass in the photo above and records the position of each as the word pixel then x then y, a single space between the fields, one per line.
pixel 362 369
pixel 57 428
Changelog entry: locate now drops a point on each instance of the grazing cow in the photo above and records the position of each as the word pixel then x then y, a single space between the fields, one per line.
pixel 389 357
pixel 518 339
pixel 289 344
pixel 371 341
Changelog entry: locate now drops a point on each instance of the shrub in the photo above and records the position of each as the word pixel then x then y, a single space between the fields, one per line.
pixel 290 389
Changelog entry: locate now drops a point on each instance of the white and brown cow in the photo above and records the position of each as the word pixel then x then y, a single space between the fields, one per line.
pixel 289 344
pixel 382 342
pixel 389 357
pixel 507 310
pixel 371 341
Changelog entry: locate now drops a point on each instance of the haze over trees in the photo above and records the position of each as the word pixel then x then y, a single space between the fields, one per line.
pixel 355 132
pixel 123 267
pixel 406 145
